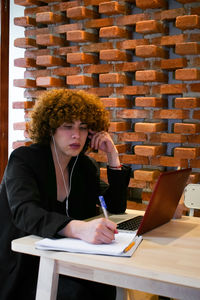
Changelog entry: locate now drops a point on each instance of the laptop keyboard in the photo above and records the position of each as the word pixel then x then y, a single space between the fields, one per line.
pixel 131 224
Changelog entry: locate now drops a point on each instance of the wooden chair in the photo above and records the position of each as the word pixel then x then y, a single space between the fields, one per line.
pixel 192 197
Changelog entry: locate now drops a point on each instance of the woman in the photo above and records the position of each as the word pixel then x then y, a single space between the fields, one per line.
pixel 50 187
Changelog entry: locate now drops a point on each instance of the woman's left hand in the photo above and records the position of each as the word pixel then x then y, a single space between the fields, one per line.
pixel 102 141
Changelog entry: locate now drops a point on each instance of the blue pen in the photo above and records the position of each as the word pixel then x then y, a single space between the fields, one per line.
pixel 103 206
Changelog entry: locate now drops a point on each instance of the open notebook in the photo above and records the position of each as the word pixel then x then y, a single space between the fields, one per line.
pixel 123 245
pixel 160 210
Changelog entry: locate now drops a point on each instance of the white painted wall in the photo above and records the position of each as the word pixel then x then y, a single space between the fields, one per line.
pixel 15 94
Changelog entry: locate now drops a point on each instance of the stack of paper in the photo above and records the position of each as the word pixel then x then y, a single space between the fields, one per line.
pixel 124 245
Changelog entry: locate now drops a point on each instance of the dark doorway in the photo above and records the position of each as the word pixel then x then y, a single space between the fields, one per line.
pixel 4 67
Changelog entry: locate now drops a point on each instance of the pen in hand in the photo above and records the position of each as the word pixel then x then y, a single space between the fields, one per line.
pixel 103 206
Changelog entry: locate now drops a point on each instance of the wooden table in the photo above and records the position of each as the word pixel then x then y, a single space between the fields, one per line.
pixel 167 263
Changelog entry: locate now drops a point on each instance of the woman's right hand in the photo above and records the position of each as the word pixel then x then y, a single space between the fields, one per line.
pixel 97 231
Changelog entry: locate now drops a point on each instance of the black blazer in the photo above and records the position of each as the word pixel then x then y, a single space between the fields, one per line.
pixel 28 205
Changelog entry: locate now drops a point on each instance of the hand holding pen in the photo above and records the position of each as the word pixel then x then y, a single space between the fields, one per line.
pixel 104 209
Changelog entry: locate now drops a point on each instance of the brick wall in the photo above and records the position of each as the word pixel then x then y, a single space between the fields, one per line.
pixel 140 57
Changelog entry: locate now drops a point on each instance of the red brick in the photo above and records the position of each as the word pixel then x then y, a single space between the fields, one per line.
pixel 20 126
pixel 194 139
pixel 132 137
pixel 132 66
pixel 186 128
pixel 101 91
pixel 25 43
pixel 171 114
pixel 97 69
pixel 149 26
pixel 133 113
pixel 195 163
pixel 24 83
pixel 168 161
pixel 113 54
pixel 26 2
pixel 186 153
pixel 185 1
pixel 144 4
pixel 150 75
pixel 171 14
pixel 80 36
pixel 20 143
pixel 33 53
pixel 134 159
pixel 194 87
pixel 116 102
pixel 50 61
pixel 112 8
pixel 149 150
pixel 33 74
pixel 98 157
pixel 113 32
pixel 29 32
pixel 169 40
pixel 137 184
pixel 113 78
pixel 196 114
pixel 195 61
pixel 189 48
pixel 119 126
pixel 133 90
pixel 189 102
pixel 146 196
pixel 97 47
pixel 187 74
pixel 67 27
pixel 66 71
pixel 167 138
pixel 50 82
pixel 24 21
pixel 150 127
pixel 81 13
pixel 195 10
pixel 146 175
pixel 25 62
pixel 135 205
pixel 131 19
pixel 131 44
pixel 49 18
pixel 65 5
pixel 81 58
pixel 65 50
pixel 188 22
pixel 173 89
pixel 35 10
pixel 150 102
pixel 98 23
pixel 49 40
pixel 80 80
pixel 150 51
pixel 171 64
pixel 93 2
pixel 22 104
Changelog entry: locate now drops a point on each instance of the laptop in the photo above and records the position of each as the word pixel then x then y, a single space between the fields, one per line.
pixel 162 205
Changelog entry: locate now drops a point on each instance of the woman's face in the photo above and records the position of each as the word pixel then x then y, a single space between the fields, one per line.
pixel 70 138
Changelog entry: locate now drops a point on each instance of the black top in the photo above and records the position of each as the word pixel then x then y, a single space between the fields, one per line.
pixel 28 205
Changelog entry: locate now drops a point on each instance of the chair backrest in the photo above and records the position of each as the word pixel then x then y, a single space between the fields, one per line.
pixel 192 197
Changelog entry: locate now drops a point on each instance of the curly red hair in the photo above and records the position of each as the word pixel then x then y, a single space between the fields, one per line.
pixel 57 106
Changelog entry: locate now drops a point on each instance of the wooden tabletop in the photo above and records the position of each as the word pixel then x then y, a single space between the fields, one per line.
pixel 165 263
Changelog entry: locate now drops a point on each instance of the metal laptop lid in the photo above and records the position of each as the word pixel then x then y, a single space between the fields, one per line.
pixel 164 199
